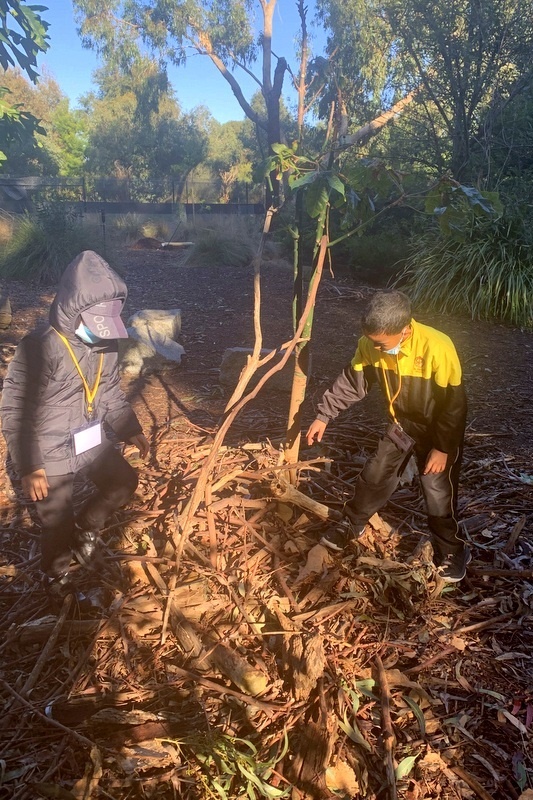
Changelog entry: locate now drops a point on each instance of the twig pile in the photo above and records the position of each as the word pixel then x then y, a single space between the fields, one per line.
pixel 260 665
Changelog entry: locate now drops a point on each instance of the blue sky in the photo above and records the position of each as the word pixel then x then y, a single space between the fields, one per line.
pixel 198 83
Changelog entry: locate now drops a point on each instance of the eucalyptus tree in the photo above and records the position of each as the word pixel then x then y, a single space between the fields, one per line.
pixel 223 31
pixel 464 59
pixel 57 145
pixel 136 127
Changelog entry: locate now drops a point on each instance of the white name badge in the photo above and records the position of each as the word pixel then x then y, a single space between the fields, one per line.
pixel 88 437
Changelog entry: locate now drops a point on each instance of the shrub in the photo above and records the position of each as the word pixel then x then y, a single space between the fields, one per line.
pixel 42 244
pixel 134 226
pixel 226 242
pixel 490 276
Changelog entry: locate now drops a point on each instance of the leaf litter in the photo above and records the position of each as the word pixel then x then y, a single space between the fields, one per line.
pixel 257 664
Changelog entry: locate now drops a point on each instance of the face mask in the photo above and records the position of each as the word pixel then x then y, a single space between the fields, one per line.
pixel 86 335
pixel 395 350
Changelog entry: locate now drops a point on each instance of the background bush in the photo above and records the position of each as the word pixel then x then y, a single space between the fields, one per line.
pixel 134 226
pixel 489 276
pixel 225 242
pixel 42 244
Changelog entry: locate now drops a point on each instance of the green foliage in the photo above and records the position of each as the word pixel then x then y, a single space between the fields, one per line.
pixel 134 226
pixel 457 207
pixel 43 244
pixel 231 767
pixel 22 44
pixel 19 46
pixel 222 243
pixel 489 276
pixel 56 146
pixel 377 257
pixel 17 126
pixel 128 136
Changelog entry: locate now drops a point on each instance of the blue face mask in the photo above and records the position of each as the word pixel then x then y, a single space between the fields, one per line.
pixel 86 335
pixel 395 350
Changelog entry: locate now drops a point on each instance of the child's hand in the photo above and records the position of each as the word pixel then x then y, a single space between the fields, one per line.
pixel 35 485
pixel 141 443
pixel 316 431
pixel 436 462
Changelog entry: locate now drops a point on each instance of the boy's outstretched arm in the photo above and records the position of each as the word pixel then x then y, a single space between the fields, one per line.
pixel 316 431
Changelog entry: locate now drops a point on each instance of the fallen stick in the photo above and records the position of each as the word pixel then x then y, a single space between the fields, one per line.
pixel 472 783
pixel 217 687
pixel 515 533
pixel 42 716
pixel 45 655
pixel 389 739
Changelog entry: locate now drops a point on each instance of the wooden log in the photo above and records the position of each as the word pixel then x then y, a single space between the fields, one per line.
pixel 287 493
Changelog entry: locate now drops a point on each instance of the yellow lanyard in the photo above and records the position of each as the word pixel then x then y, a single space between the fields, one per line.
pixel 389 398
pixel 90 394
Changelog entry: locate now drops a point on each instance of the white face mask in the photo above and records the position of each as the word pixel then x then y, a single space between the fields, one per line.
pixel 86 335
pixel 395 350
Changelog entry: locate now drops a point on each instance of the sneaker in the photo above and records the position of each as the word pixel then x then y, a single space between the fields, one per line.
pixel 453 566
pixel 59 586
pixel 84 545
pixel 337 538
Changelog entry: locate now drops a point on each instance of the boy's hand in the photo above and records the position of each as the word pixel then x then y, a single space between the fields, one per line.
pixel 141 443
pixel 35 485
pixel 436 462
pixel 316 431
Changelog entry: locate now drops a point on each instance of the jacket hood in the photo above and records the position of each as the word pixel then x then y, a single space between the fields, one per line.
pixel 87 280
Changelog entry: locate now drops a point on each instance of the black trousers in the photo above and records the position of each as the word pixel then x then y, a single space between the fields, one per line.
pixel 115 482
pixel 380 477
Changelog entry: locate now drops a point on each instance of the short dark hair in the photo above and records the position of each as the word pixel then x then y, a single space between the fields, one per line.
pixel 387 312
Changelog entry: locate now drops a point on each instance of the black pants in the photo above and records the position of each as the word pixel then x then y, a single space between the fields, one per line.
pixel 115 482
pixel 380 477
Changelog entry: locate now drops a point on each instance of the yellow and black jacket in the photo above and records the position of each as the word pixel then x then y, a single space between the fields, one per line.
pixel 424 381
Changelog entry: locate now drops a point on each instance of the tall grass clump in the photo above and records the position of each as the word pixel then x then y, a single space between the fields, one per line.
pixel 134 226
pixel 489 276
pixel 42 244
pixel 222 242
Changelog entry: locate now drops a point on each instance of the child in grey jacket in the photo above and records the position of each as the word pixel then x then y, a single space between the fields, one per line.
pixel 62 411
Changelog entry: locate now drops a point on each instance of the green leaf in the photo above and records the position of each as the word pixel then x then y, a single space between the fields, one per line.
pixel 316 198
pixel 404 767
pixel 303 180
pixel 336 184
pixel 354 733
pixel 419 714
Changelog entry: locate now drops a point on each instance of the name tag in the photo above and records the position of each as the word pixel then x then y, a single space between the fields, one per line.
pixel 400 438
pixel 87 437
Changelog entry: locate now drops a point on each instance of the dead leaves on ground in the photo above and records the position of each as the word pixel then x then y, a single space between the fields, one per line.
pixel 265 664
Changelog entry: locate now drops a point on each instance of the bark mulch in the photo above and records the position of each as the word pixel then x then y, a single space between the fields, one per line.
pixel 243 659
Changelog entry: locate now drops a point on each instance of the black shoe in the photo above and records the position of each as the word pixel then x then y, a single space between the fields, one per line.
pixel 59 586
pixel 453 566
pixel 84 545
pixel 337 538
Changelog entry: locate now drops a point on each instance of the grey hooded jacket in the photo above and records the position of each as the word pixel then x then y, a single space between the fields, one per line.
pixel 43 398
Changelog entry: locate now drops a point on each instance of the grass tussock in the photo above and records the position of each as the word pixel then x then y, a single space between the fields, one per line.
pixel 227 242
pixel 131 227
pixel 42 244
pixel 489 277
